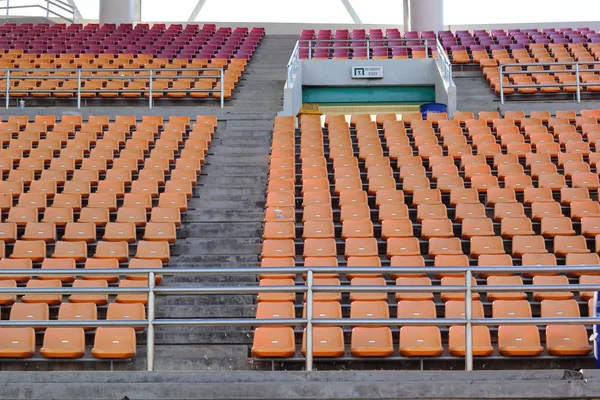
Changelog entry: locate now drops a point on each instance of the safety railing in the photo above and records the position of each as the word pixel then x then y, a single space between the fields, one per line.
pixel 81 74
pixel 52 8
pixel 311 45
pixel 309 289
pixel 575 68
pixel 443 62
pixel 292 66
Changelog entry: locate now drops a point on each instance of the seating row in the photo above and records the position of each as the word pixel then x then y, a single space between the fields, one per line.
pixel 173 42
pixel 357 208
pixel 121 181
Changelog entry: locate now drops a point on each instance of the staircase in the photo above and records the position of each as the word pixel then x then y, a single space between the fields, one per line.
pixel 224 223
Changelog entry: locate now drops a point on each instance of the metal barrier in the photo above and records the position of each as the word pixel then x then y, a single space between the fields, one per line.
pixel 440 54
pixel 53 8
pixel 575 68
pixel 151 322
pixel 292 66
pixel 79 76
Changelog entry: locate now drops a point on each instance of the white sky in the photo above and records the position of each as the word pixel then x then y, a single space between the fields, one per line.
pixel 456 12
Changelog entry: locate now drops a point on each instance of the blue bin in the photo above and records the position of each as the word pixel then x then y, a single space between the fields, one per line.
pixel 432 108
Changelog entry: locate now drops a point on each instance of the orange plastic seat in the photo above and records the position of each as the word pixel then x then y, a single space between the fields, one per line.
pixel 74 250
pixel 481 245
pixel 528 245
pixel 11 281
pixel 551 280
pixel 511 227
pixel 515 341
pixel 505 281
pixel 153 250
pixel 17 342
pixel 126 312
pixel 273 342
pixel 564 245
pixel 49 299
pixel 403 247
pixel 419 341
pixel 34 250
pixel 97 216
pixel 132 298
pixel 78 312
pixel 80 231
pixel 456 281
pixel 482 346
pixel 476 226
pixel 63 343
pixel 114 343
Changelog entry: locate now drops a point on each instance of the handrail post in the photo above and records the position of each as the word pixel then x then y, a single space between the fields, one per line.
pixel 222 88
pixel 7 6
pixel 501 85
pixel 150 90
pixel 150 331
pixel 309 317
pixel 578 85
pixel 7 89
pixel 426 49
pixel 309 49
pixel 368 49
pixel 78 88
pixel 47 8
pixel 468 327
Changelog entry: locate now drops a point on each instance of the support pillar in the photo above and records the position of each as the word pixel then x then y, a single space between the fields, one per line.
pixel 426 15
pixel 117 11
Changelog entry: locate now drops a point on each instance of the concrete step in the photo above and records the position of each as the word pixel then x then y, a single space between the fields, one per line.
pixel 233 181
pixel 218 246
pixel 207 212
pixel 201 311
pixel 217 261
pixel 235 170
pixel 225 203
pixel 222 229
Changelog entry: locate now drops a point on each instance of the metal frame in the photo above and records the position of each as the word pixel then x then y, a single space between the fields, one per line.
pixel 60 4
pixel 79 76
pixel 577 71
pixel 442 59
pixel 151 322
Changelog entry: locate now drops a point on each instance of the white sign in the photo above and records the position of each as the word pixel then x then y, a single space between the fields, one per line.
pixel 367 72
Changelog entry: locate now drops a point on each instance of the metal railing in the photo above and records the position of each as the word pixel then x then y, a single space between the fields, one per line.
pixel 292 66
pixel 575 68
pixel 80 74
pixel 53 8
pixel 309 289
pixel 440 54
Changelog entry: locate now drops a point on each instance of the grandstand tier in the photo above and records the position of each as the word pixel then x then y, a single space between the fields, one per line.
pixel 439 192
pixel 89 194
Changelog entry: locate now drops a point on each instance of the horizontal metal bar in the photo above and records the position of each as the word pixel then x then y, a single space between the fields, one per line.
pixel 61 6
pixel 231 322
pixel 454 321
pixel 229 290
pixel 391 289
pixel 536 288
pixel 548 64
pixel 299 270
pixel 429 40
pixel 107 77
pixel 75 290
pixel 536 321
pixel 111 69
pixel 544 71
pixel 72 323
pixel 541 85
